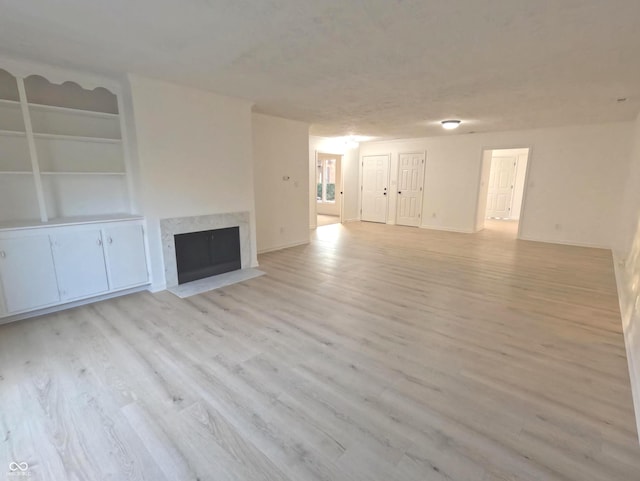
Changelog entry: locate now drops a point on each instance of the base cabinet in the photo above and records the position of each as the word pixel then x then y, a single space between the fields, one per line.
pixel 27 273
pixel 48 266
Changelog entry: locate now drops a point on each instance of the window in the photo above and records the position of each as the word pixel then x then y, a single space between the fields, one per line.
pixel 326 175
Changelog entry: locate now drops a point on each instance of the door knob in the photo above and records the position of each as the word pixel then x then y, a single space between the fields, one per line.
pixel 384 193
pixel 399 192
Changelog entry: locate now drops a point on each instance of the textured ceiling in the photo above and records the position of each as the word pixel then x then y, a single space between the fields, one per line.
pixel 378 67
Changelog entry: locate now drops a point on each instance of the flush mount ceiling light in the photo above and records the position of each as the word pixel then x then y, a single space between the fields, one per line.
pixel 351 143
pixel 450 124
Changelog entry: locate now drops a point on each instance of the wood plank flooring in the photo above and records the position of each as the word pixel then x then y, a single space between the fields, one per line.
pixel 374 353
pixel 327 219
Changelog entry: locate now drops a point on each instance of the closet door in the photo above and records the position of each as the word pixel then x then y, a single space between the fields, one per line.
pixel 375 176
pixel 80 266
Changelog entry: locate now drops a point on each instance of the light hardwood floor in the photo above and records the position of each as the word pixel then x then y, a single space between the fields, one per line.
pixel 374 353
pixel 327 219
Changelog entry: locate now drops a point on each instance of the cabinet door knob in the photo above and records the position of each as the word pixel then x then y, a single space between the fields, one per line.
pixel 3 254
pixel 109 240
pixel 99 242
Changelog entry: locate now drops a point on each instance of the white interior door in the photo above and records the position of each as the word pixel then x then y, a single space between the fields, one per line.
pixel 501 182
pixel 375 198
pixel 410 183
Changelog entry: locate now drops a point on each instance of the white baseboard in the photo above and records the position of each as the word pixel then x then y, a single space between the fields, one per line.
pixel 634 367
pixel 153 288
pixel 69 305
pixel 566 243
pixel 447 229
pixel 285 246
pixel 356 219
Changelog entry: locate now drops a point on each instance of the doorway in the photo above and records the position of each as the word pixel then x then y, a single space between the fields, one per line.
pixel 328 189
pixel 503 177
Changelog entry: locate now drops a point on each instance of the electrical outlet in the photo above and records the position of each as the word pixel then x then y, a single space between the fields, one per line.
pixel 434 215
pixel 558 226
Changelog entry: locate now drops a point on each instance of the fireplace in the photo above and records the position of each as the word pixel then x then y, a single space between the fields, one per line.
pixel 171 228
pixel 207 253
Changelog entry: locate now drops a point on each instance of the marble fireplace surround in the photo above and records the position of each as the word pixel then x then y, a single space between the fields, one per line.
pixel 184 225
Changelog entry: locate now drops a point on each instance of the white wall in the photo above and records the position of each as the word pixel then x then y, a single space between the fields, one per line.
pixel 573 190
pixel 280 149
pixel 350 176
pixel 194 157
pixel 328 208
pixel 627 256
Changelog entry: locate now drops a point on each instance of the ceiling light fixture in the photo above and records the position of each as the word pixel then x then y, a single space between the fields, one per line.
pixel 450 124
pixel 351 143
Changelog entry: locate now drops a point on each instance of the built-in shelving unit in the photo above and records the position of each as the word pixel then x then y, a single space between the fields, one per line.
pixel 62 152
pixel 69 232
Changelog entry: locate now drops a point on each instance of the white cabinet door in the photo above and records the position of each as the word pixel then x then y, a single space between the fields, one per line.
pixel 126 256
pixel 27 273
pixel 80 266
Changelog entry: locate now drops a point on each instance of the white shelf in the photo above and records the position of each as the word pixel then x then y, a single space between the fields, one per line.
pixel 16 133
pixel 76 138
pixel 83 173
pixel 56 108
pixel 28 172
pixel 60 221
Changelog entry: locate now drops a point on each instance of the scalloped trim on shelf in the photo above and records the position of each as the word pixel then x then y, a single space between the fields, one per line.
pixel 57 75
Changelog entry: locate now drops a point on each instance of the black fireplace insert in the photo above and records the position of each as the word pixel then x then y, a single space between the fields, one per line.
pixel 207 253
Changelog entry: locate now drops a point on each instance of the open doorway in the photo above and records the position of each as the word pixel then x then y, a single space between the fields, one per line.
pixel 328 189
pixel 502 186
